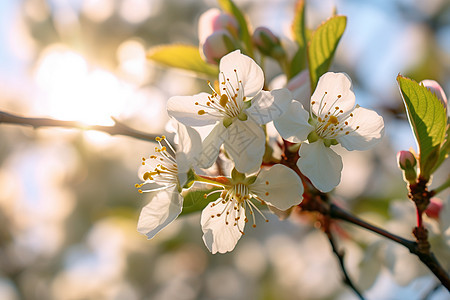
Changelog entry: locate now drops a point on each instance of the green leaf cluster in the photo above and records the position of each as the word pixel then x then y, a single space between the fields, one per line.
pixel 428 119
pixel 316 48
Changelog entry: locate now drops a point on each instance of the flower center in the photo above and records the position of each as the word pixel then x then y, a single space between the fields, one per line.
pixel 165 169
pixel 227 103
pixel 236 198
pixel 331 122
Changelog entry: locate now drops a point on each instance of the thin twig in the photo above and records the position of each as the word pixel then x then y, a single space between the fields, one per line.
pixel 340 256
pixel 117 129
pixel 427 258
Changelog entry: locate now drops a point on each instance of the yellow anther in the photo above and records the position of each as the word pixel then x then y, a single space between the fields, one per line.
pixel 140 191
pixel 333 120
pixel 158 139
pixel 201 112
pixel 163 137
pixel 163 148
pixel 267 193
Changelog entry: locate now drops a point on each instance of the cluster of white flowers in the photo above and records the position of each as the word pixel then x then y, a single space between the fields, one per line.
pixel 238 108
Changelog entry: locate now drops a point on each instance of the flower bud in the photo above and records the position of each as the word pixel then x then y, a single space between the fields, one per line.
pixel 217 45
pixel 268 43
pixel 407 162
pixel 436 89
pixel 227 22
pixel 213 20
pixel 434 208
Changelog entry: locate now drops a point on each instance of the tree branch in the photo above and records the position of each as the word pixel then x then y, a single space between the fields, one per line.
pixel 427 258
pixel 340 256
pixel 117 129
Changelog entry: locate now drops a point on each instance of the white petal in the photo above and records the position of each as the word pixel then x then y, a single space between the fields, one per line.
pixel 211 146
pixel 247 71
pixel 221 233
pixel 293 126
pixel 279 186
pixel 245 144
pixel 268 106
pixel 164 207
pixel 369 132
pixel 189 147
pixel 321 165
pixel 183 109
pixel 327 92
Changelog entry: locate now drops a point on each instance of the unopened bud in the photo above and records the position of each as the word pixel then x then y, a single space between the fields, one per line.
pixel 227 22
pixel 434 208
pixel 268 43
pixel 407 162
pixel 435 88
pixel 217 45
pixel 213 20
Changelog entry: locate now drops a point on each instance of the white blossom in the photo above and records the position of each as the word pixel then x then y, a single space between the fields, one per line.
pixel 333 119
pixel 223 221
pixel 166 173
pixel 237 109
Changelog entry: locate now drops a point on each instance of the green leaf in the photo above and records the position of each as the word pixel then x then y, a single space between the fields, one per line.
pixel 299 31
pixel 182 57
pixel 428 119
pixel 194 201
pixel 231 8
pixel 322 46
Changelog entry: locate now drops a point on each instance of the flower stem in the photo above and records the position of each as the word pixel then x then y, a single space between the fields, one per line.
pixel 216 181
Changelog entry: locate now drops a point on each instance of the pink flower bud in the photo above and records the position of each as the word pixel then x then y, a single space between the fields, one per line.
pixel 217 45
pixel 434 208
pixel 436 89
pixel 268 43
pixel 225 21
pixel 213 20
pixel 406 160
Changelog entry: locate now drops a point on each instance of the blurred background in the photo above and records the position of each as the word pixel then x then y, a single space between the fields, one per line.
pixel 68 205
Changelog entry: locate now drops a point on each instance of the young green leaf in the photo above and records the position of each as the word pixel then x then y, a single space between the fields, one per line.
pixel 195 201
pixel 231 8
pixel 322 46
pixel 183 57
pixel 299 31
pixel 428 119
